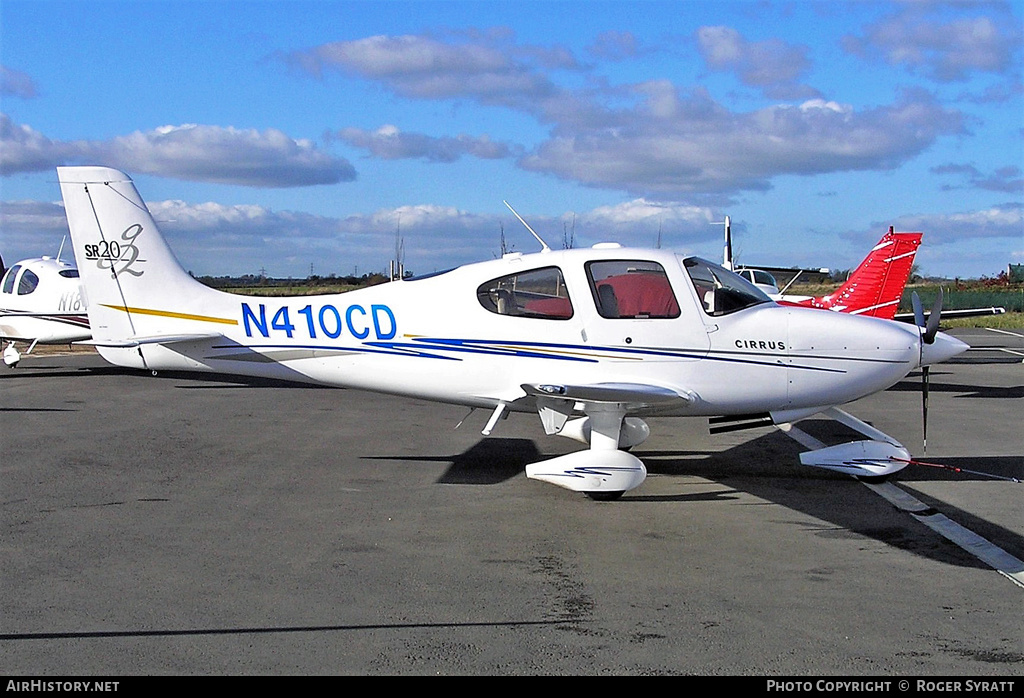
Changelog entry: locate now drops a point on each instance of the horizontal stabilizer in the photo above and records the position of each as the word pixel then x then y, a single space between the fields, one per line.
pixel 55 316
pixel 952 314
pixel 130 342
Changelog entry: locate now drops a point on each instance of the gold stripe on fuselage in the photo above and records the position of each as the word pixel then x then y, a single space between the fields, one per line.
pixel 168 313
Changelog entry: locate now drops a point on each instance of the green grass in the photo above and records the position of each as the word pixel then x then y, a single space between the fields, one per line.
pixel 1006 321
pixel 296 290
pixel 974 296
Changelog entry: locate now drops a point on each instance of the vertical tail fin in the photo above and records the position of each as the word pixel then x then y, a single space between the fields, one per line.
pixel 127 269
pixel 876 286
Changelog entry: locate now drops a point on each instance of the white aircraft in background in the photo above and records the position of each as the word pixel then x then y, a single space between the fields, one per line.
pixel 592 340
pixel 41 302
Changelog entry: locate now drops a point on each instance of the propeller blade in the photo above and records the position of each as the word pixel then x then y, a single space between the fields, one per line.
pixel 915 300
pixel 933 320
pixel 918 310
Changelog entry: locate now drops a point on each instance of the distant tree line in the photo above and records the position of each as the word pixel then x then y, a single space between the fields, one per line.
pixel 312 281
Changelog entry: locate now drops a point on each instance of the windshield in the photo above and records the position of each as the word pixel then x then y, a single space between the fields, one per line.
pixel 721 291
pixel 8 286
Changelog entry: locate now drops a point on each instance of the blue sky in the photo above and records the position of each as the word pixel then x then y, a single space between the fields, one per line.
pixel 289 136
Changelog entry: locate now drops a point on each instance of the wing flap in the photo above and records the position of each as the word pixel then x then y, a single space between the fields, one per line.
pixel 631 395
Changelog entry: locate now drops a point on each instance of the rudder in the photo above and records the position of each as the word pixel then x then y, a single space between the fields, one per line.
pixel 875 287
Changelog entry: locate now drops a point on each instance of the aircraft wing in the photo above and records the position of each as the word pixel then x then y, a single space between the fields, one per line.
pixel 14 337
pixel 631 395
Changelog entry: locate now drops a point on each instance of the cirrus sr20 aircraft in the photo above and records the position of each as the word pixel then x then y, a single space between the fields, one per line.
pixel 41 303
pixel 592 340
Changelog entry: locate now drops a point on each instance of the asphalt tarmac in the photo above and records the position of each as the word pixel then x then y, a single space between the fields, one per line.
pixel 204 525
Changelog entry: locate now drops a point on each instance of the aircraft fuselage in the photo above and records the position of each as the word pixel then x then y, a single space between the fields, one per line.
pixel 435 338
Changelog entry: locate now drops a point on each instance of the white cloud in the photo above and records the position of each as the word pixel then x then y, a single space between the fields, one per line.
pixel 268 158
pixel 648 139
pixel 944 50
pixel 390 143
pixel 644 215
pixel 218 239
pixel 773 65
pixel 692 145
pixel 224 155
pixel 398 57
pixel 425 68
pixel 821 104
pixel 1001 221
pixel 1004 179
pixel 23 149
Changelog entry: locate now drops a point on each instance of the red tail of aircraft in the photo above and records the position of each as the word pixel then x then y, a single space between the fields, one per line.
pixel 875 287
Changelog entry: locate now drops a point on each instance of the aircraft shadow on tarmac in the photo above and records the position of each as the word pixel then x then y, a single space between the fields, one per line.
pixel 275 630
pixel 61 371
pixel 912 384
pixel 208 381
pixel 37 409
pixel 487 462
pixel 988 356
pixel 767 467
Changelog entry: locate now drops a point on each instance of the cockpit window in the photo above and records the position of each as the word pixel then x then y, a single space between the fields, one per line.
pixel 69 273
pixel 631 289
pixel 9 277
pixel 721 291
pixel 28 283
pixel 538 293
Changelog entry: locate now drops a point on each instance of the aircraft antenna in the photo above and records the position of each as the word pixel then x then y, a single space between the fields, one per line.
pixel 727 252
pixel 398 266
pixel 791 282
pixel 61 248
pixel 544 245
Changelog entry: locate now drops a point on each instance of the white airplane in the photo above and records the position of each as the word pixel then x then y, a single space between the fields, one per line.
pixel 592 340
pixel 41 302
